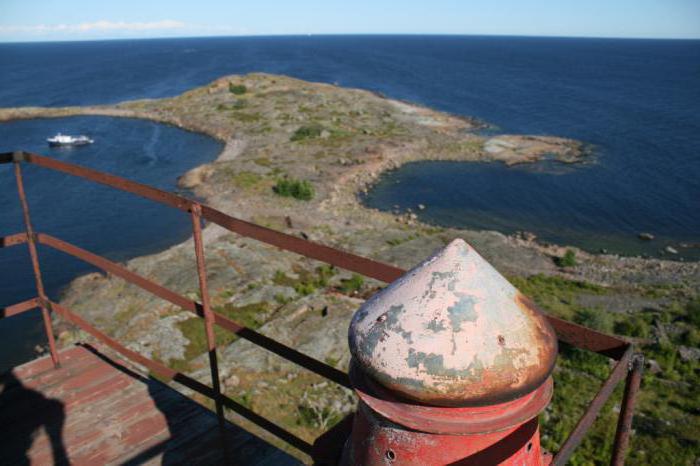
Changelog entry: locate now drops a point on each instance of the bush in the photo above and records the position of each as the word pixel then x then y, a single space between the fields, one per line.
pixel 352 285
pixel 306 132
pixel 298 189
pixel 569 259
pixel 238 89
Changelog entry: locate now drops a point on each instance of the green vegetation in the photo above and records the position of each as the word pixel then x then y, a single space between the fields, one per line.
pixel 298 189
pixel 237 89
pixel 245 117
pixel 306 132
pixel 568 260
pixel 245 180
pixel 251 315
pixel 307 282
pixel 352 285
pixel 667 419
pixel 405 239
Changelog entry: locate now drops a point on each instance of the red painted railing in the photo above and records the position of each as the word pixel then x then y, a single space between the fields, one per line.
pixel 327 448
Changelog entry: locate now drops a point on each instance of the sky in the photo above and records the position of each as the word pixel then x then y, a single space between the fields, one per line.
pixel 54 20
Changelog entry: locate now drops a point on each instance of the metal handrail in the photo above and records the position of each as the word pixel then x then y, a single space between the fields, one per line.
pixel 578 336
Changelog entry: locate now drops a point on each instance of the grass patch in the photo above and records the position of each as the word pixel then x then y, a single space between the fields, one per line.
pixel 567 260
pixel 667 419
pixel 237 89
pixel 298 189
pixel 308 282
pixel 245 117
pixel 263 162
pixel 246 179
pixel 251 315
pixel 398 241
pixel 352 285
pixel 306 132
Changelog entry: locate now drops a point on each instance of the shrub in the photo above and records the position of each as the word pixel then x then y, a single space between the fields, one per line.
pixel 352 285
pixel 298 189
pixel 238 89
pixel 306 132
pixel 569 259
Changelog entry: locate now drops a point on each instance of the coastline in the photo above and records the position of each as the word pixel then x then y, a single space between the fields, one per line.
pixel 360 135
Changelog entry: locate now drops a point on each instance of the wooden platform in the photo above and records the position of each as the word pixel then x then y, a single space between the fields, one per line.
pixel 93 410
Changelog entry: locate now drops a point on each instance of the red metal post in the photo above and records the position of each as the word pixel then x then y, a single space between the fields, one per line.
pixel 31 242
pixel 624 423
pixel 196 215
pixel 452 366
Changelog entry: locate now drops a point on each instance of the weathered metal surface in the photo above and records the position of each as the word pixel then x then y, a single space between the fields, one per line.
pixel 377 441
pixel 13 240
pixel 450 420
pixel 196 215
pixel 19 308
pixel 576 435
pixel 94 410
pixel 453 332
pixel 34 256
pixel 624 423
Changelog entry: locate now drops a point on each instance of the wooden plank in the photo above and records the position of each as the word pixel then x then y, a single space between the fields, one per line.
pixel 103 413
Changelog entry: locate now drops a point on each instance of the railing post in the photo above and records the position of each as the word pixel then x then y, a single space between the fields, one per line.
pixel 196 214
pixel 624 423
pixel 31 243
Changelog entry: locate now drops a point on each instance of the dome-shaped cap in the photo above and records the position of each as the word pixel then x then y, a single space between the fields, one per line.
pixel 453 332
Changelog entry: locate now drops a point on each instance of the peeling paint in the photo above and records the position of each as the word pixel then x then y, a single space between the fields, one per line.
pixel 453 331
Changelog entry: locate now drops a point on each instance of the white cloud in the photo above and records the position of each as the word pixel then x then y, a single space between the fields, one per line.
pixel 97 26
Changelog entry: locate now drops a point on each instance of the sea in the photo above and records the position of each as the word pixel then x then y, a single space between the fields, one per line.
pixel 635 104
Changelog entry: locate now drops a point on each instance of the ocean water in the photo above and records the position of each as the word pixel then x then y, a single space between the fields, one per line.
pixel 111 223
pixel 636 103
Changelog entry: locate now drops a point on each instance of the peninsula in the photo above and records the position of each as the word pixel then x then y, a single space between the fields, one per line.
pixel 296 156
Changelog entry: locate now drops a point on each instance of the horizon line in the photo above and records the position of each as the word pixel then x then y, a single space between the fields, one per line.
pixel 243 36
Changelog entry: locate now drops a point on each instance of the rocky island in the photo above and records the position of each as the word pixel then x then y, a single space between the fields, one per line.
pixel 296 156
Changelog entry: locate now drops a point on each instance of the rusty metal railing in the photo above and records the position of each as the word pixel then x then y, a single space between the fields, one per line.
pixel 628 364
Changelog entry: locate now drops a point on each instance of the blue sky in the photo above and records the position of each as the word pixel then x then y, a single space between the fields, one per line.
pixel 32 20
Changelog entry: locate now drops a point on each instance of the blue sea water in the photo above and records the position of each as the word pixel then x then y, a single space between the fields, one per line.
pixel 635 102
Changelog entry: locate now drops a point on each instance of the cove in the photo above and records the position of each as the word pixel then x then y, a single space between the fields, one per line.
pixel 581 205
pixel 111 223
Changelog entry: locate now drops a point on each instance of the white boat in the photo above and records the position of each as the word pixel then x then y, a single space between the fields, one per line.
pixel 66 140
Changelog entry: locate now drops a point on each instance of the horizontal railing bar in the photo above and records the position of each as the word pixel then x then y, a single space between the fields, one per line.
pixel 13 240
pixel 118 270
pixel 576 435
pixel 588 339
pixel 290 354
pixel 19 308
pixel 346 260
pixel 117 182
pixel 164 371
pixel 570 333
pixel 267 343
pixel 158 368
